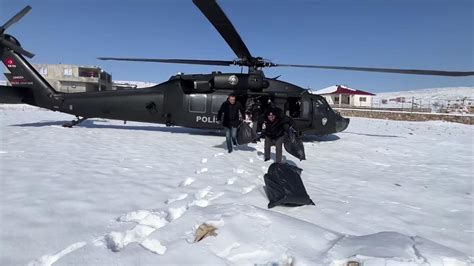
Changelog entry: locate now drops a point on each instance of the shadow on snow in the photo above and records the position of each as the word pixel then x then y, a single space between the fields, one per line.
pixel 91 124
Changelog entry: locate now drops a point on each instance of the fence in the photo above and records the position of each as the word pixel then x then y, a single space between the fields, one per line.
pixel 407 116
pixel 430 105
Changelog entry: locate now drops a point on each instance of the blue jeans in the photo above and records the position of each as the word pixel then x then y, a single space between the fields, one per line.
pixel 230 137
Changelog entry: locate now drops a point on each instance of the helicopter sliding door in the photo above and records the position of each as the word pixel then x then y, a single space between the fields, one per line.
pixel 201 110
pixel 300 110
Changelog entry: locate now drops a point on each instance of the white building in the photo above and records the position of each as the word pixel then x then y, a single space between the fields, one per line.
pixel 343 96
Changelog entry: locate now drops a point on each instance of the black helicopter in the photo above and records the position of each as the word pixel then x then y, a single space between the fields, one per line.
pixel 183 100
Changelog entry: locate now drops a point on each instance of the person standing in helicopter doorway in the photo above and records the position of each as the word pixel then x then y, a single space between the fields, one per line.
pixel 233 113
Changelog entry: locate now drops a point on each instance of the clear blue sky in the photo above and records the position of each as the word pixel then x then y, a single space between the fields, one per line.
pixel 425 34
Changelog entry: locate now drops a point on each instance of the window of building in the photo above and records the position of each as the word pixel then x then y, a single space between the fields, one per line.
pixel 43 71
pixel 336 99
pixel 88 72
pixel 363 99
pixel 197 103
pixel 68 72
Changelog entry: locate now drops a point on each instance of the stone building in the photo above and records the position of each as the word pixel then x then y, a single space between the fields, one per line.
pixel 73 78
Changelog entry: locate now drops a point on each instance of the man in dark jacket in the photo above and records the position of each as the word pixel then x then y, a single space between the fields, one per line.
pixel 233 113
pixel 275 128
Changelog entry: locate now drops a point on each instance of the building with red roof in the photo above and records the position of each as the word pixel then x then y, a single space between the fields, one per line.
pixel 340 95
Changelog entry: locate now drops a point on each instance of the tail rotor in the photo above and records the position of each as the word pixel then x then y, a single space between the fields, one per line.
pixel 9 41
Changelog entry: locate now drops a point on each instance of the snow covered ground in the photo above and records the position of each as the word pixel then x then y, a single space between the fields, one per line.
pixel 105 193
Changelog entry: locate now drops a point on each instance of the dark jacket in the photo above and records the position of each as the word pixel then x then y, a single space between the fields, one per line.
pixel 278 127
pixel 231 114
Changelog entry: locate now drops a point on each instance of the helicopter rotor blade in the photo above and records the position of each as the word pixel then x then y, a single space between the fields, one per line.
pixel 16 48
pixel 219 20
pixel 386 70
pixel 15 19
pixel 173 61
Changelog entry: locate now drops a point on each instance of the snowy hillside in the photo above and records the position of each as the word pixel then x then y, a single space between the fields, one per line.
pixel 456 93
pixel 134 84
pixel 105 193
pixel 435 98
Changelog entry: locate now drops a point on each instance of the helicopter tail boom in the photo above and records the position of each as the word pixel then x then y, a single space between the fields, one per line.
pixel 15 95
pixel 30 86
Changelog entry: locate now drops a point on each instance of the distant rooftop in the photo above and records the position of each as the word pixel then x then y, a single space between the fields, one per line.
pixel 341 89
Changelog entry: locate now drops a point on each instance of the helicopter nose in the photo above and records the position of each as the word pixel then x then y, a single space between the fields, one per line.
pixel 341 124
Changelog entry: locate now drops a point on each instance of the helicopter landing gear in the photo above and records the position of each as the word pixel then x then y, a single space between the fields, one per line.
pixel 75 122
pixel 168 122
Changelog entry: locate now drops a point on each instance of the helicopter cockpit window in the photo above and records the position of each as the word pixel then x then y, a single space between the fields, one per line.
pixel 197 103
pixel 319 106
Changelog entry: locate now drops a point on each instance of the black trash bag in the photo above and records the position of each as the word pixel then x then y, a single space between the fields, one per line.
pixel 294 145
pixel 284 186
pixel 245 134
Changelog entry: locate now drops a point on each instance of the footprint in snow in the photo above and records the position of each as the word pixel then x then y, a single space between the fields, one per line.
pixel 50 259
pixel 204 196
pixel 238 171
pixel 204 160
pixel 154 246
pixel 187 182
pixel 202 170
pixel 202 193
pixel 231 181
pixel 147 218
pixel 218 154
pixel 175 213
pixel 248 189
pixel 146 223
pixel 179 197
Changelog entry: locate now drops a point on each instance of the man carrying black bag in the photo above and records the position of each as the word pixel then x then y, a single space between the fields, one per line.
pixel 275 127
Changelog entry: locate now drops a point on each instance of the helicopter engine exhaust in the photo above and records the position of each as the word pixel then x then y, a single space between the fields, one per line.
pixel 239 82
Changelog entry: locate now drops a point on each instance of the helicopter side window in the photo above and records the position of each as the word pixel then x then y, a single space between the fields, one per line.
pixel 217 101
pixel 197 103
pixel 305 109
